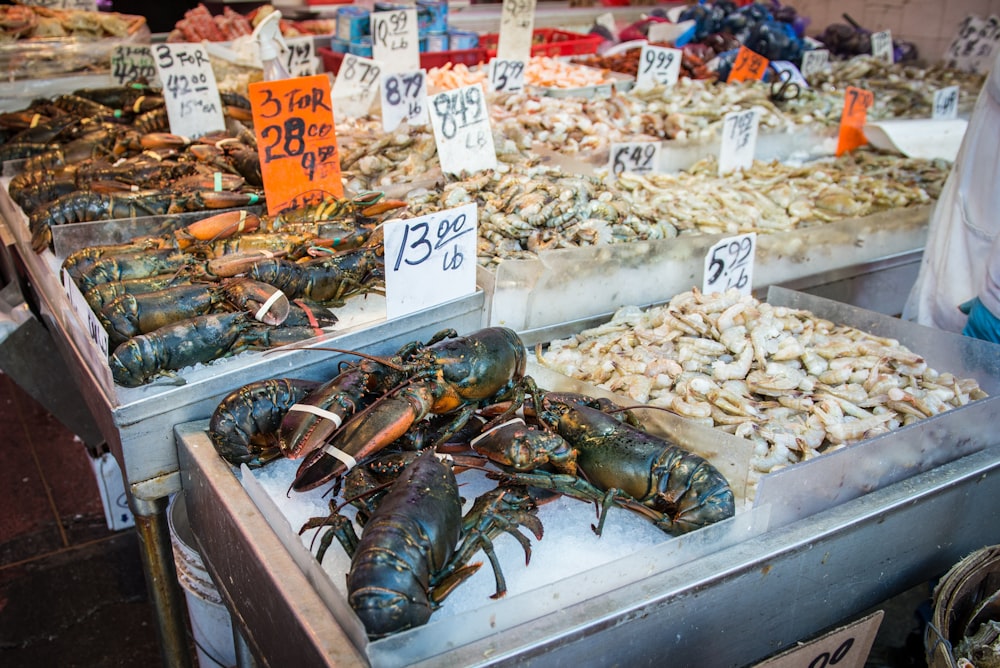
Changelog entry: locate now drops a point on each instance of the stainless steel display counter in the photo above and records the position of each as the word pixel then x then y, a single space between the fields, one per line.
pixel 731 607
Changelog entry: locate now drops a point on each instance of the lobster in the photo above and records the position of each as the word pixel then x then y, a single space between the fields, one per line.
pixel 415 547
pixel 369 406
pixel 600 458
pixel 196 340
pixel 244 426
pixel 131 315
pixel 330 279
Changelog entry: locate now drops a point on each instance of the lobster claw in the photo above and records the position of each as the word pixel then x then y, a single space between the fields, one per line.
pixel 225 199
pixel 370 430
pixel 267 303
pixel 219 226
pixel 163 140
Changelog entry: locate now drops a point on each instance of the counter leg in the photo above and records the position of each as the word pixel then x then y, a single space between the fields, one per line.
pixel 161 579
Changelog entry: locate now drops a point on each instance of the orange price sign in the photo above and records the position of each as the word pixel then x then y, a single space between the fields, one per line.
pixel 747 66
pixel 299 159
pixel 852 120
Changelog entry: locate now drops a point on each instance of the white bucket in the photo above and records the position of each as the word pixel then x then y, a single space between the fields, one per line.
pixel 211 624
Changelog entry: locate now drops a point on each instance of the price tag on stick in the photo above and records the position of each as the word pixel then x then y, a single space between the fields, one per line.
pixel 747 66
pixel 658 66
pixel 132 62
pixel 462 130
pixel 429 260
pixel 395 43
pixel 739 140
pixel 813 62
pixel 293 121
pixel 356 87
pixel 857 101
pixel 729 264
pixel 404 98
pixel 945 103
pixel 637 157
pixel 882 46
pixel 517 22
pixel 506 76
pixel 300 59
pixel 189 89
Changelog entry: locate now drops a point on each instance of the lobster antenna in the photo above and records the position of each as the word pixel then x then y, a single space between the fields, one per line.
pixel 373 358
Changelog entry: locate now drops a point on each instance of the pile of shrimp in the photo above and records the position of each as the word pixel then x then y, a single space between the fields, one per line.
pixel 794 384
pixel 451 76
pixel 548 72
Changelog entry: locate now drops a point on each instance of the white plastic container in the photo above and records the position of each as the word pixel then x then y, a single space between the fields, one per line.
pixel 211 624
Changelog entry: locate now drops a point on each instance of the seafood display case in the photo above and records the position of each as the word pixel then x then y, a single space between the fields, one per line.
pixel 811 518
pixel 568 285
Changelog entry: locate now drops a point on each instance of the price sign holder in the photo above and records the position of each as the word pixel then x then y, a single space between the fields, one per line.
pixel 945 103
pixel 517 23
pixel 846 647
pixel 729 264
pixel 462 132
pixel 356 86
pixel 640 157
pixel 814 61
pixel 658 66
pixel 857 101
pixel 747 66
pixel 395 43
pixel 404 98
pixel 430 260
pixel 95 330
pixel 882 46
pixel 189 89
pixel 130 62
pixel 299 159
pixel 506 76
pixel 300 59
pixel 739 140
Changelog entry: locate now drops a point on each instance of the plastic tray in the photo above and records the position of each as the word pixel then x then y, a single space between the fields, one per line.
pixel 549 42
pixel 331 59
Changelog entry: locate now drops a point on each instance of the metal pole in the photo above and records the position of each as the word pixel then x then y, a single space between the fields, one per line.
pixel 161 579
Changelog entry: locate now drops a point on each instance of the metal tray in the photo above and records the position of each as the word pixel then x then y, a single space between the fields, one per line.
pixel 806 488
pixel 286 617
pixel 571 284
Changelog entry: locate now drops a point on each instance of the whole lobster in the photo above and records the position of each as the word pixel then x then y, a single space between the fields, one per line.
pixel 600 458
pixel 415 546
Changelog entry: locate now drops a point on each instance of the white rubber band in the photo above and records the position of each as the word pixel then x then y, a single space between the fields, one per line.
pixel 137 106
pixel 266 306
pixel 243 221
pixel 35 120
pixel 349 462
pixel 320 412
pixel 499 426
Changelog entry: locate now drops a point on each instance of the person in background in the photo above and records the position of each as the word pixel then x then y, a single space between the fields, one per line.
pixel 958 286
pixel 160 16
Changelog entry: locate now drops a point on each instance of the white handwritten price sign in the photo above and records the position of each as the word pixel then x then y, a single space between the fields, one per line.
pixel 636 157
pixel 395 43
pixel 882 46
pixel 132 62
pixel 658 66
pixel 429 260
pixel 95 330
pixel 462 131
pixel 739 140
pixel 846 647
pixel 517 23
pixel 356 87
pixel 794 75
pixel 404 98
pixel 729 264
pixel 945 103
pixel 189 89
pixel 814 62
pixel 300 59
pixel 296 140
pixel 506 76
